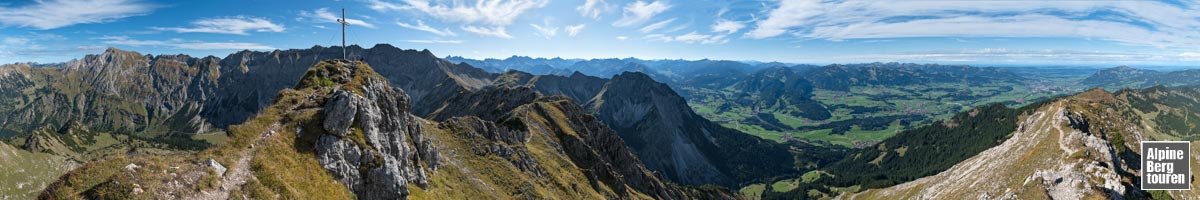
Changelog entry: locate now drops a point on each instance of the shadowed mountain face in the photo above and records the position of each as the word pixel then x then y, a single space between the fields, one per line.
pixel 113 91
pixel 225 91
pixel 657 123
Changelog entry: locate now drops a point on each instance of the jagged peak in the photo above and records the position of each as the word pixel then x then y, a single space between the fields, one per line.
pixel 578 74
pixel 384 46
pixel 633 76
pixel 114 50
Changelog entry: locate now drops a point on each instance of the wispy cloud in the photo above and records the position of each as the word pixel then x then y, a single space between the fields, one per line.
pixel 545 30
pixel 420 26
pixel 689 38
pixel 1152 23
pixel 37 47
pixel 435 41
pixel 182 44
pixel 16 41
pixel 323 15
pixel 727 27
pixel 484 17
pixel 656 26
pixel 239 25
pixel 30 44
pixel 639 12
pixel 573 30
pixel 51 14
pixel 498 31
pixel 593 8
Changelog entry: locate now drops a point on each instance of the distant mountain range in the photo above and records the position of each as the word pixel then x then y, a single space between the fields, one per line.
pixel 1128 77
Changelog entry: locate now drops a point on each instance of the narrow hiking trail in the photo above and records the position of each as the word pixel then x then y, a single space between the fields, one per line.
pixel 240 172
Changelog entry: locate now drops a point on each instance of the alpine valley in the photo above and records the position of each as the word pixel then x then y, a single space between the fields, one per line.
pixel 392 123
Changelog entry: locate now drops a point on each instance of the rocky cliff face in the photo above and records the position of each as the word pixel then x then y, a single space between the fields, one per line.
pixel 113 91
pixel 657 123
pixel 371 142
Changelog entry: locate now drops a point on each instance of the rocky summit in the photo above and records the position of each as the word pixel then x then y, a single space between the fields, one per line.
pixel 344 132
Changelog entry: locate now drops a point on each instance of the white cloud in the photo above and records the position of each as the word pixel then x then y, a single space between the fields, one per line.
pixel 1150 23
pixel 239 25
pixel 324 15
pixel 30 44
pixel 655 26
pixel 639 12
pixel 420 26
pixel 51 14
pixel 622 38
pixel 182 44
pixel 593 8
pixel 15 41
pixel 498 31
pixel 474 15
pixel 728 27
pixel 573 30
pixel 435 41
pixel 221 45
pixel 689 38
pixel 545 31
pixel 90 48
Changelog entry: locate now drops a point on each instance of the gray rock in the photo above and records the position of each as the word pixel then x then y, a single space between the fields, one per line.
pixel 339 113
pixel 217 167
pixel 395 152
pixel 341 158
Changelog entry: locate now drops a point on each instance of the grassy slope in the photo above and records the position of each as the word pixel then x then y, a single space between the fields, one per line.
pixel 25 174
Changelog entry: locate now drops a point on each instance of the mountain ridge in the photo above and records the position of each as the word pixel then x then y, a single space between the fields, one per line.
pixel 348 121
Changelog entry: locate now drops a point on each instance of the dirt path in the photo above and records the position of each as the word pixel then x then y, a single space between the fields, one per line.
pixel 237 176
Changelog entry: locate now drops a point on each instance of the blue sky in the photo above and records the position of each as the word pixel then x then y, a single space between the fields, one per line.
pixel 1094 33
